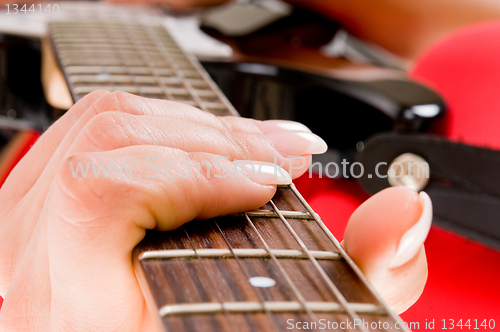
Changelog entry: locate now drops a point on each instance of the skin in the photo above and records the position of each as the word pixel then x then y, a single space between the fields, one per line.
pixel 372 237
pixel 66 243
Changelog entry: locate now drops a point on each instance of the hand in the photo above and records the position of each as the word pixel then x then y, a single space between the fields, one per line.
pixel 66 241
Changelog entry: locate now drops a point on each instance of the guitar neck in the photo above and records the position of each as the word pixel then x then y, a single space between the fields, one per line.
pixel 273 269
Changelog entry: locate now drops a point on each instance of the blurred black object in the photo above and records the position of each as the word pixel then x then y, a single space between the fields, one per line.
pixel 279 71
pixel 345 112
pixel 463 182
pixel 22 102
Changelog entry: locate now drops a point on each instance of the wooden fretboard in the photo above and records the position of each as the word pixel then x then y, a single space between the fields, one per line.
pixel 202 277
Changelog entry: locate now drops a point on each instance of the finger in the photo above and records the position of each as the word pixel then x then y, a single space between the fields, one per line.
pixel 37 158
pixel 55 143
pixel 96 222
pixel 241 140
pixel 130 104
pixel 150 168
pixel 39 166
pixel 385 237
pixel 13 246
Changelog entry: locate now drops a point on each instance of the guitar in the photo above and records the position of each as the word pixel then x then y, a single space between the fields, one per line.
pixel 272 269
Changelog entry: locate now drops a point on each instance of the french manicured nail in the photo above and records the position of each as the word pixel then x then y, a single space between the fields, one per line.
pixel 296 143
pixel 274 126
pixel 411 241
pixel 264 173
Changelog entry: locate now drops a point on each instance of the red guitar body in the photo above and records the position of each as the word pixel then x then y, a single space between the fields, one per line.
pixel 463 274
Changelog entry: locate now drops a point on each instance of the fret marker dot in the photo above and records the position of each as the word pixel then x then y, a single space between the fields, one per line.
pixel 262 282
pixel 103 76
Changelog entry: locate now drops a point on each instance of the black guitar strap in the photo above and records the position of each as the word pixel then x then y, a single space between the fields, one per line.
pixel 464 181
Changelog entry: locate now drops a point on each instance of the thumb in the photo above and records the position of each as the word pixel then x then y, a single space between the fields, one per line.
pixel 385 237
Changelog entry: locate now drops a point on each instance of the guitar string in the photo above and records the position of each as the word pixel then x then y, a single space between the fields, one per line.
pixel 319 223
pixel 340 298
pixel 247 277
pixel 130 40
pixel 221 104
pixel 109 36
pixel 401 325
pixel 178 72
pixel 298 295
pixel 238 261
pixel 153 70
pixel 210 275
pixel 334 289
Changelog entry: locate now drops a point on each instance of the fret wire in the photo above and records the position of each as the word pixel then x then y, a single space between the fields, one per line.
pixel 297 293
pixel 178 72
pixel 206 79
pixel 141 50
pixel 79 70
pixel 212 86
pixel 102 28
pixel 242 253
pixel 240 265
pixel 348 259
pixel 272 214
pixel 217 292
pixel 318 267
pixel 201 92
pixel 273 306
pixel 86 90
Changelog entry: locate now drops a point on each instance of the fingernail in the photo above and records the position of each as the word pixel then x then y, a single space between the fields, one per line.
pixel 274 126
pixel 264 173
pixel 297 143
pixel 411 241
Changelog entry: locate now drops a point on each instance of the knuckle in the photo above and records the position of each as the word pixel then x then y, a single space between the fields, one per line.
pixel 117 101
pixel 122 97
pixel 110 130
pixel 210 167
pixel 96 93
pixel 240 145
pixel 86 102
pixel 238 124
